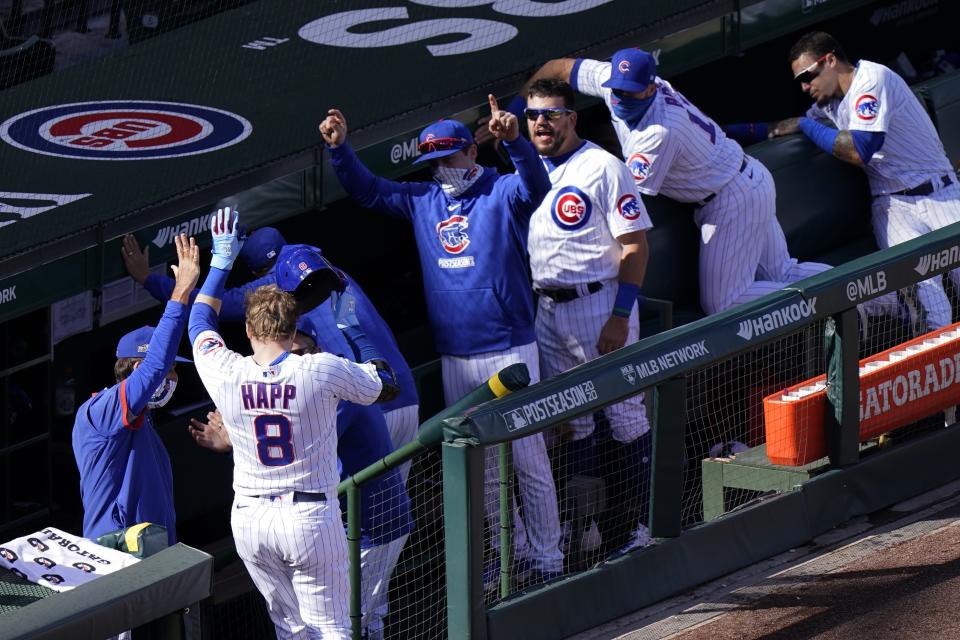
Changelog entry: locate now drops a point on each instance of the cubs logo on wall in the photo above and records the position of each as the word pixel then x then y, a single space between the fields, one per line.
pixel 124 130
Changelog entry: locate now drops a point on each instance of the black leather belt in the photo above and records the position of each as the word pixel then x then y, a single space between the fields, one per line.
pixel 924 189
pixel 743 165
pixel 300 496
pixel 566 295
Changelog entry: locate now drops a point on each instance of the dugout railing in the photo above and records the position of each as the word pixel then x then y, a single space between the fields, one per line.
pixel 809 329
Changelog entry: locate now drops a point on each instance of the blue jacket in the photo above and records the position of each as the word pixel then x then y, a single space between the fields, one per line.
pixel 125 474
pixel 373 325
pixel 473 248
pixel 363 439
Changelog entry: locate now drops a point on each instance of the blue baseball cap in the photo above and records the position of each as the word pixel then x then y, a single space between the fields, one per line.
pixel 631 70
pixel 303 271
pixel 136 344
pixel 261 248
pixel 442 139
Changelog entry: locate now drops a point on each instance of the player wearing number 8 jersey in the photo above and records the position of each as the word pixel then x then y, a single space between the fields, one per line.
pixel 672 148
pixel 279 410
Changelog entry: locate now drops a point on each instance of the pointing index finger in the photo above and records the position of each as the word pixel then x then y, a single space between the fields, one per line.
pixel 493 103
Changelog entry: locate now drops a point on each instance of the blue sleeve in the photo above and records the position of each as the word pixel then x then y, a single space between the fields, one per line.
pixel 202 316
pixel 145 379
pixel 867 143
pixel 362 346
pixel 574 72
pixel 747 133
pixel 159 286
pixel 820 134
pixel 233 307
pixel 370 191
pixel 531 180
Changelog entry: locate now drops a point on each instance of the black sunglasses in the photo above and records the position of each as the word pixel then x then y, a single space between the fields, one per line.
pixel 551 113
pixel 441 144
pixel 809 74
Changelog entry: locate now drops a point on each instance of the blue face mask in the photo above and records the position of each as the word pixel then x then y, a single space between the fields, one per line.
pixel 630 109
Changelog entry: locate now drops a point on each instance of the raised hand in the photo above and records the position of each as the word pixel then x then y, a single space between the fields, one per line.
pixel 187 269
pixel 212 434
pixel 333 129
pixel 137 262
pixel 503 125
pixel 227 239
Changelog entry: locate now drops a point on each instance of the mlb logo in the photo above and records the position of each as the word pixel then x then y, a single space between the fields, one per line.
pixel 515 420
pixel 629 373
pixel 639 166
pixel 303 266
pixel 867 107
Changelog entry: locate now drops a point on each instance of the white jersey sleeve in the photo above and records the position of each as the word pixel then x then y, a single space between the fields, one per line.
pixel 587 76
pixel 652 154
pixel 213 360
pixel 626 212
pixel 345 380
pixel 870 102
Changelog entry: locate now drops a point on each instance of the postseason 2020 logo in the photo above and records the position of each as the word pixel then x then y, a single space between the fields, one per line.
pixel 124 130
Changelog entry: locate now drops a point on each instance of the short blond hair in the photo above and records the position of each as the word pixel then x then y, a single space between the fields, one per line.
pixel 271 314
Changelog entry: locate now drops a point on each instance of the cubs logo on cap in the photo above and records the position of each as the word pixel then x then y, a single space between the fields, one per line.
pixel 631 70
pixel 453 234
pixel 628 206
pixel 639 166
pixel 867 107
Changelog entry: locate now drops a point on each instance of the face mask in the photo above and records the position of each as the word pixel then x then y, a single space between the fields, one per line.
pixel 455 181
pixel 163 394
pixel 630 109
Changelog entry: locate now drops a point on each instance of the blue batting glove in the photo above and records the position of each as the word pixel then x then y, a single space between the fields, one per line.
pixel 227 238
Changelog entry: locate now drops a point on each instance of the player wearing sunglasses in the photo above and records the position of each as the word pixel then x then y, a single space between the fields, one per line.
pixel 880 126
pixel 672 148
pixel 470 224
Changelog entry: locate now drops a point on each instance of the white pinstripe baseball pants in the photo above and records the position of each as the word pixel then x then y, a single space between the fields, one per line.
pixel 743 252
pixel 296 554
pixel 539 541
pixel 568 333
pixel 897 219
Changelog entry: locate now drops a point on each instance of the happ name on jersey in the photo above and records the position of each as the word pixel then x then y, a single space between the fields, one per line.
pixel 265 398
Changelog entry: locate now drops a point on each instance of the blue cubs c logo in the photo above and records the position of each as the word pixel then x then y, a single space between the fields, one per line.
pixel 639 166
pixel 571 208
pixel 453 234
pixel 629 207
pixel 867 107
pixel 124 130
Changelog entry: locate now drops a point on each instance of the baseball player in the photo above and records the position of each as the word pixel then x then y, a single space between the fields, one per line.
pixel 882 128
pixel 470 226
pixel 588 257
pixel 125 474
pixel 363 440
pixel 279 410
pixel 671 147
pixel 261 252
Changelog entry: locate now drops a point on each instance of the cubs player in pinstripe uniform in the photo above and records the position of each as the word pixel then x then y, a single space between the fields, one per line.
pixel 279 410
pixel 470 226
pixel 672 148
pixel 588 257
pixel 261 252
pixel 882 128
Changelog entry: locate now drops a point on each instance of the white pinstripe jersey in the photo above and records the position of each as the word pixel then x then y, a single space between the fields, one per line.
pixel 282 418
pixel 573 233
pixel 675 150
pixel 879 100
